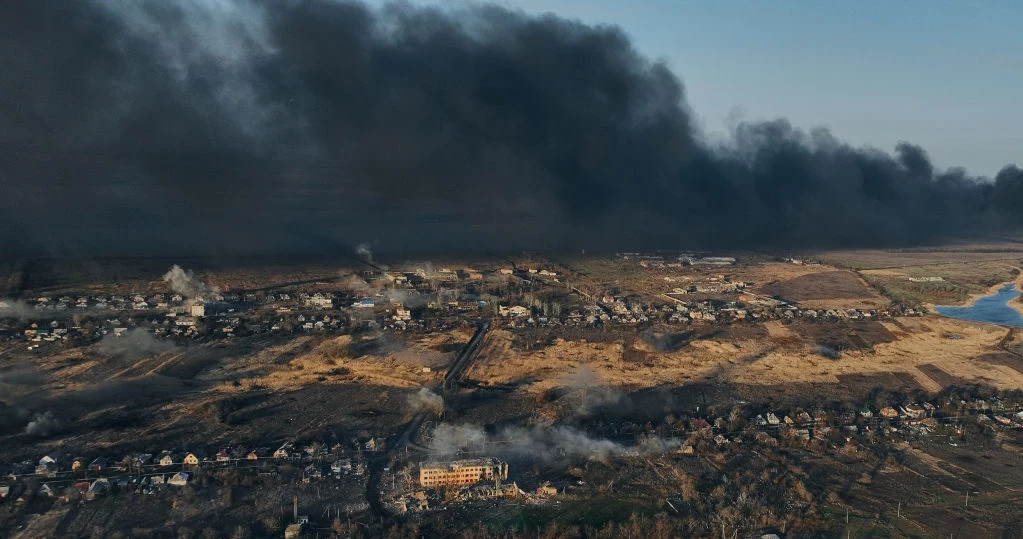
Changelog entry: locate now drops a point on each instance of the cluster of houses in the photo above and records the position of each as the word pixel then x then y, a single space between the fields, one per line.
pixel 137 302
pixel 387 300
pixel 909 419
pixel 684 259
pixel 620 310
pixel 147 473
pixel 485 478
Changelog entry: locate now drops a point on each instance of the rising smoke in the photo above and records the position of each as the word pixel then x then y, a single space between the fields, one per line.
pixel 15 382
pixel 382 285
pixel 586 385
pixel 134 344
pixel 828 352
pixel 260 126
pixel 187 284
pixel 44 424
pixel 364 251
pixel 10 308
pixel 425 400
pixel 541 443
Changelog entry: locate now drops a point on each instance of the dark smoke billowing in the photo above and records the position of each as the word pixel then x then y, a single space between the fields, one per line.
pixel 245 125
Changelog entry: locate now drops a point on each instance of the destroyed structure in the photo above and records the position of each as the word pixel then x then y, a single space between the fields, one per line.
pixel 462 472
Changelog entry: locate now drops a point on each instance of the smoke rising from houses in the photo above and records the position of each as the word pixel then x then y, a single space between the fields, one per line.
pixel 543 443
pixel 134 344
pixel 187 284
pixel 10 308
pixel 44 424
pixel 365 252
pixel 251 126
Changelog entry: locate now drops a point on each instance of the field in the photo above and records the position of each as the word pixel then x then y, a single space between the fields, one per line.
pixel 914 353
pixel 950 275
pixel 642 374
pixel 255 392
pixel 827 288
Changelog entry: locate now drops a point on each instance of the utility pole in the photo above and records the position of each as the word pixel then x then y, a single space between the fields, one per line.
pixel 846 515
pixel 898 512
pixel 967 498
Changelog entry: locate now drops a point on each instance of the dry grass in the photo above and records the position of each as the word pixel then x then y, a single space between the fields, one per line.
pixel 913 350
pixel 918 342
pixel 901 258
pixel 827 288
pixel 961 282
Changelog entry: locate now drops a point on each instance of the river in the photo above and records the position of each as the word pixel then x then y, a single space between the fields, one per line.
pixel 993 309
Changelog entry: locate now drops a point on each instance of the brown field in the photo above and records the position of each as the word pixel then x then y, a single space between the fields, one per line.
pixel 967 253
pixel 960 284
pixel 263 391
pixel 908 352
pixel 829 288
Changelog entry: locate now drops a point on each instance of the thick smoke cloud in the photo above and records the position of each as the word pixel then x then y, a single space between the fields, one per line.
pixel 245 126
pixel 541 443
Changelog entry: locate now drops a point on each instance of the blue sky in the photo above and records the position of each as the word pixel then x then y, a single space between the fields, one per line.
pixel 944 74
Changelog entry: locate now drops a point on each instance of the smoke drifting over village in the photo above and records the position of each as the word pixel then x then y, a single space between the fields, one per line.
pixel 134 344
pixel 242 126
pixel 545 443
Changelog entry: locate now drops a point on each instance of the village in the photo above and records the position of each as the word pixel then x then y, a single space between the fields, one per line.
pixel 377 462
pixel 414 482
pixel 417 300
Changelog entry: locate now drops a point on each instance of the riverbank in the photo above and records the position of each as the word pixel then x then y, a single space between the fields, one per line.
pixel 1014 303
pixel 993 309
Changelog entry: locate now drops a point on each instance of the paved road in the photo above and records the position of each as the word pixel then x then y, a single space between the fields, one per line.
pixel 407 436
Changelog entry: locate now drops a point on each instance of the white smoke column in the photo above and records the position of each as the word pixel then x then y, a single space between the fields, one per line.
pixel 185 283
pixel 426 400
pixel 363 250
pixel 43 424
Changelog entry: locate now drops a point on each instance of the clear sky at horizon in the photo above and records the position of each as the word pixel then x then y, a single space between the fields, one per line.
pixel 946 75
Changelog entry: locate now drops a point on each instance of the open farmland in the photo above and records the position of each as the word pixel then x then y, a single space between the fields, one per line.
pixel 943 284
pixel 829 288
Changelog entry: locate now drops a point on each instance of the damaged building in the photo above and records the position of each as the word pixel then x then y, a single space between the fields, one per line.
pixel 462 472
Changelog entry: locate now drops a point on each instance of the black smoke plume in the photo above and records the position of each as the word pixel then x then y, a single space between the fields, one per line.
pixel 250 126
